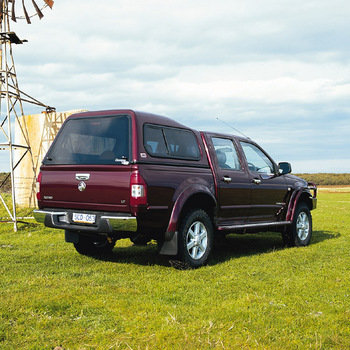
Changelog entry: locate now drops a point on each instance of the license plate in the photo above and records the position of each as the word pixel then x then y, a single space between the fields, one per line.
pixel 84 218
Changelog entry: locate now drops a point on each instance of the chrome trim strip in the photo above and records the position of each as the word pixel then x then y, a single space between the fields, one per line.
pixel 122 223
pixel 82 177
pixel 39 215
pixel 118 217
pixel 263 224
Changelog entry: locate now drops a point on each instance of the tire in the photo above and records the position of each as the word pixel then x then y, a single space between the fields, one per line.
pixel 299 233
pixel 94 246
pixel 195 238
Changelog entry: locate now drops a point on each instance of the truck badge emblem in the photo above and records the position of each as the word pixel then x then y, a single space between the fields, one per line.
pixel 81 186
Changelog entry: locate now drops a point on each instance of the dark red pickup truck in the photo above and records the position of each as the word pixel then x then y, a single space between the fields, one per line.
pixel 119 173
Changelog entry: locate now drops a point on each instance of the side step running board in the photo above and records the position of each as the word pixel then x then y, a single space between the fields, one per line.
pixel 262 224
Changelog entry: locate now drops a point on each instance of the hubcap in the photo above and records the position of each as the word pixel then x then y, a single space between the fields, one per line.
pixel 303 226
pixel 197 240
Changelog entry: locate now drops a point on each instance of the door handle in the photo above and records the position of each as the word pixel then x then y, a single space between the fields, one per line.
pixel 226 179
pixel 256 181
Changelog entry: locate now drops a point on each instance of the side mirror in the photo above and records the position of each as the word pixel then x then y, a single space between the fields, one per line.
pixel 284 168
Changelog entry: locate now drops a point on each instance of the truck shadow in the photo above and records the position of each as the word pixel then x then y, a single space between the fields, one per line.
pixel 139 255
pixel 230 247
pixel 320 236
pixel 235 246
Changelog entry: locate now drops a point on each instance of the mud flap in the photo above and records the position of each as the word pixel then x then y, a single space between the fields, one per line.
pixel 170 247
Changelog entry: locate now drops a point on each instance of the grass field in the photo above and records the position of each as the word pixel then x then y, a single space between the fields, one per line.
pixel 254 294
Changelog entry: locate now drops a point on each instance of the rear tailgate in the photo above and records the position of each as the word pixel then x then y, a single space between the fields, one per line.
pixel 88 165
pixel 98 187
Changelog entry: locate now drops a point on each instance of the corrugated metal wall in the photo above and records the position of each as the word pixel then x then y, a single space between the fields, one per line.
pixel 42 129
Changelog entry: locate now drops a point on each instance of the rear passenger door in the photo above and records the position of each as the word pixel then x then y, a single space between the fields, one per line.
pixel 233 183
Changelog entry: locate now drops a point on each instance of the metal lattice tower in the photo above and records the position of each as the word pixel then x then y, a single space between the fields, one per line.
pixel 11 104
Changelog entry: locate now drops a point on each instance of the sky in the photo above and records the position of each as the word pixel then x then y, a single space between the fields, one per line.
pixel 279 71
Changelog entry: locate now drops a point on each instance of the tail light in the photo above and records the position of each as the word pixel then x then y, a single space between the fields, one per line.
pixel 138 190
pixel 38 185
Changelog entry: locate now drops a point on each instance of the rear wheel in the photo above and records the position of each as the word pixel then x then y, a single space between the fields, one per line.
pixel 195 238
pixel 299 233
pixel 94 246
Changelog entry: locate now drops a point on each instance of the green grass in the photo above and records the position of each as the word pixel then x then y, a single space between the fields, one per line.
pixel 254 294
pixel 4 215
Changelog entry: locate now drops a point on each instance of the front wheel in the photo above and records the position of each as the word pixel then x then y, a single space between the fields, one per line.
pixel 195 238
pixel 299 233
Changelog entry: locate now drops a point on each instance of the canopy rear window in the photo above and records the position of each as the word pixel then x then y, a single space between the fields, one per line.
pixel 92 140
pixel 167 142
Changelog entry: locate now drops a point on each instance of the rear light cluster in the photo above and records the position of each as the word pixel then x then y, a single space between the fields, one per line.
pixel 138 190
pixel 37 186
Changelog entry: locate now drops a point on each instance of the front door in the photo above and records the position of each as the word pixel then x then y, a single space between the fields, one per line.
pixel 269 191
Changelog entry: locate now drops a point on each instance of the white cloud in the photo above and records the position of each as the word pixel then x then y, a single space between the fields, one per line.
pixel 273 68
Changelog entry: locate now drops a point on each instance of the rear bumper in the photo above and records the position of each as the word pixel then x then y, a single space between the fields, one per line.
pixel 105 222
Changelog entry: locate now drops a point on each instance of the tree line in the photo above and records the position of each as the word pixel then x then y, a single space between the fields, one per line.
pixel 327 179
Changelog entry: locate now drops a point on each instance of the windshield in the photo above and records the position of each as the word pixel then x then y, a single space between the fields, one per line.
pixel 92 140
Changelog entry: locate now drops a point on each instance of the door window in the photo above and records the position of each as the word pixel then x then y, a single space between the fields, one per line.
pixel 256 159
pixel 226 154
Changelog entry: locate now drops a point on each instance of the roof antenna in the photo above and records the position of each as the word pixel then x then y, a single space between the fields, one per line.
pixel 222 121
